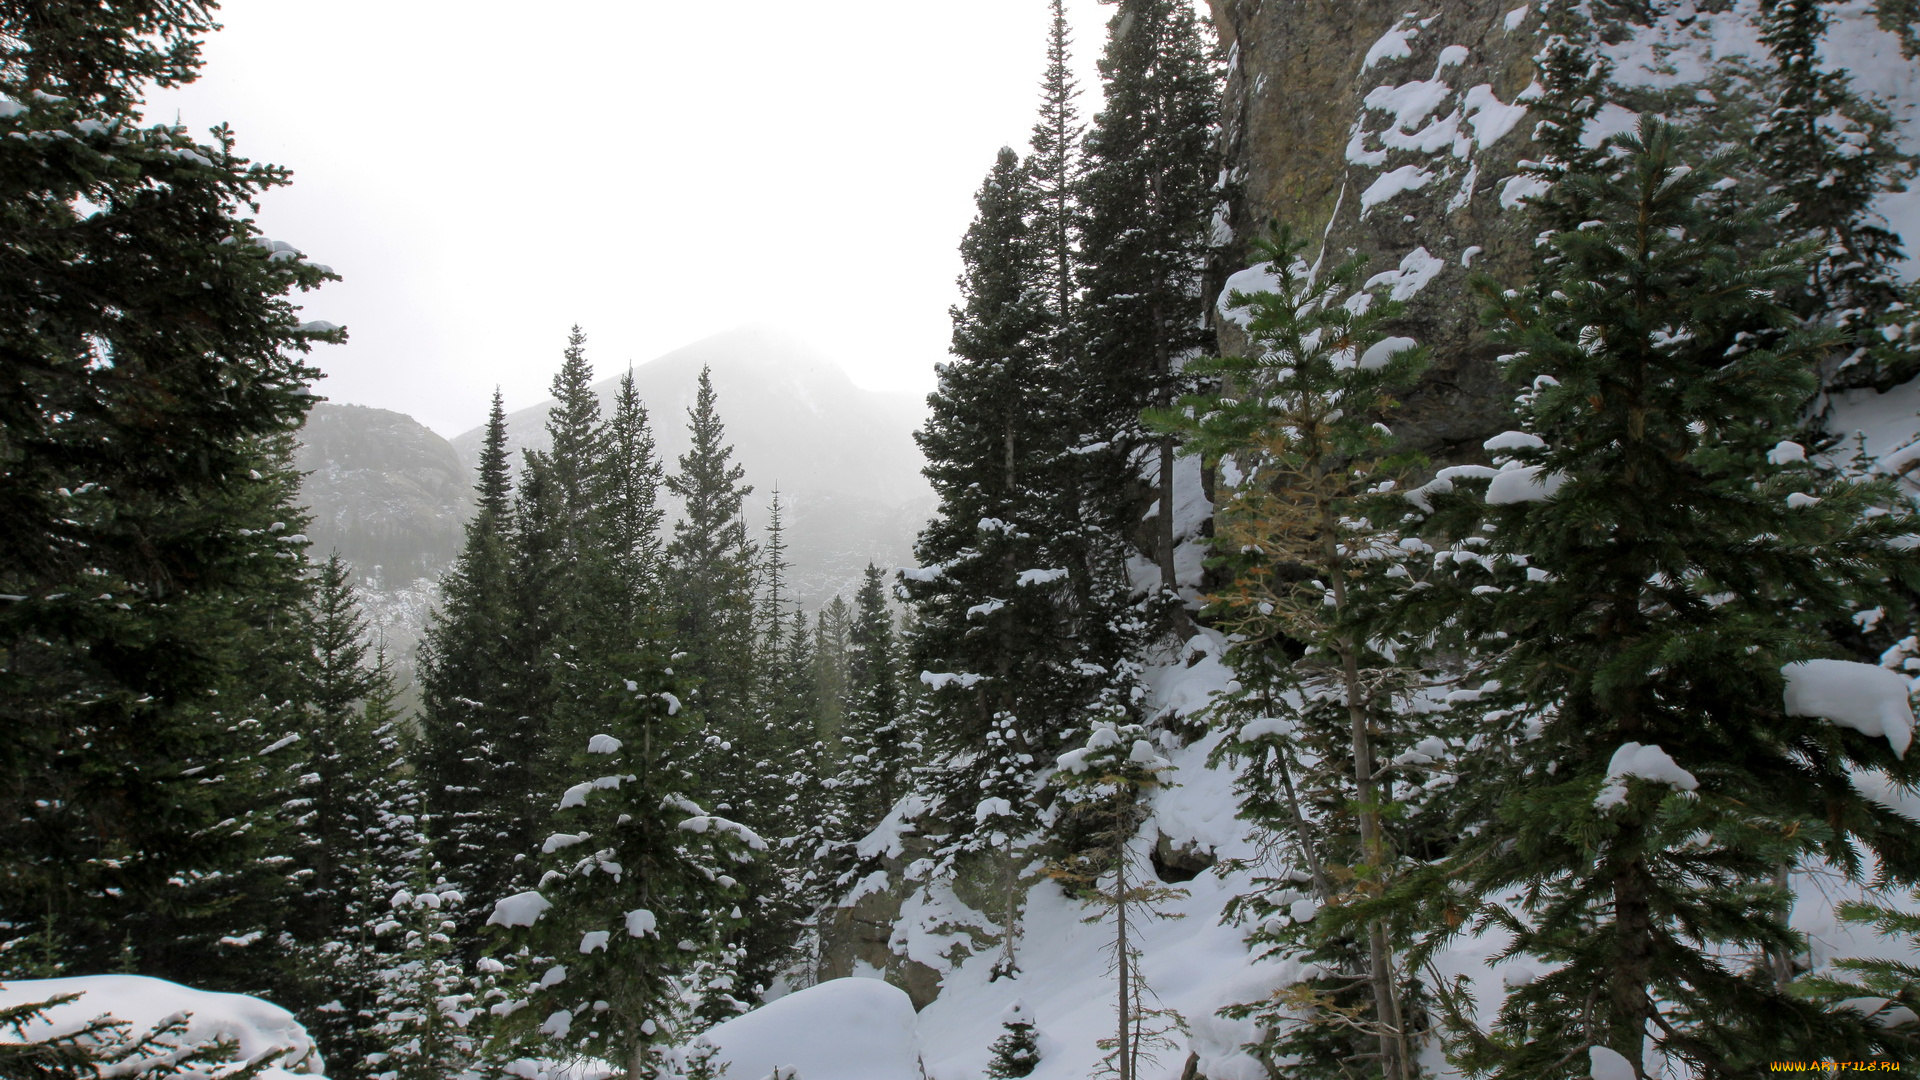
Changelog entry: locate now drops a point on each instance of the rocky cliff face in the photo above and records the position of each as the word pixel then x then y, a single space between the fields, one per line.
pixel 392 498
pixel 1390 133
pixel 387 493
pixel 1394 130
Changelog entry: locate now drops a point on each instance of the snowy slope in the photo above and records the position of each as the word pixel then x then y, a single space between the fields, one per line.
pixel 1194 961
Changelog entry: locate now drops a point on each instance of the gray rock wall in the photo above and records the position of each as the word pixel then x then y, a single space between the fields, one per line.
pixel 1315 130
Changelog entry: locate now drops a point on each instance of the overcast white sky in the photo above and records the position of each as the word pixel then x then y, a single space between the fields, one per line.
pixel 486 174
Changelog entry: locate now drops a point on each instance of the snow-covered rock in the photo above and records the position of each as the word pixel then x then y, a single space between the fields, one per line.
pixel 842 1029
pixel 256 1027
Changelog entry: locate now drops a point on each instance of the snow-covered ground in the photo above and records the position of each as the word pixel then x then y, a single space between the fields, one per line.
pixel 256 1027
pixel 1194 962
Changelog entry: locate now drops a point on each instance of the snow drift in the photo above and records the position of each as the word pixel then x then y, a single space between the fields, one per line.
pixel 257 1027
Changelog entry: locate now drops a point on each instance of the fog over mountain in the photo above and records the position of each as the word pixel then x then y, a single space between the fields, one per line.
pixel 842 457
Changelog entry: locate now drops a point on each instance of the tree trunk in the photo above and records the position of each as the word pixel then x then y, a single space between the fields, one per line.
pixel 1124 1048
pixel 1007 967
pixel 1394 1052
pixel 1163 540
pixel 1780 961
pixel 1633 963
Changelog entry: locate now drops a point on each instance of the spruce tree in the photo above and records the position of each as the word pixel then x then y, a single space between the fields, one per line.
pixel 738 758
pixel 1306 469
pixel 878 744
pixel 150 353
pixel 466 679
pixel 421 1022
pixel 1020 599
pixel 349 814
pixel 713 577
pixel 579 545
pixel 1017 1051
pixel 634 516
pixel 989 639
pixel 637 892
pixel 1655 565
pixel 163 862
pixel 1146 199
pixel 1054 173
pixel 576 435
pixel 831 625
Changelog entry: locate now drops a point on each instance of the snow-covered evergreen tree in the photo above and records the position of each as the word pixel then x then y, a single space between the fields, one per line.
pixel 879 747
pixel 1657 573
pixel 999 638
pixel 1147 202
pixel 712 567
pixel 421 1022
pixel 1305 465
pixel 465 673
pixel 1017 1051
pixel 633 516
pixel 152 352
pixel 638 892
pixel 349 814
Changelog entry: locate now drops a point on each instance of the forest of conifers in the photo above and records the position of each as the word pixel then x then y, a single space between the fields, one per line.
pixel 1600 687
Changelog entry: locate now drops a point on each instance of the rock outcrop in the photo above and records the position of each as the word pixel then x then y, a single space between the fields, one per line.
pixel 1393 134
pixel 384 491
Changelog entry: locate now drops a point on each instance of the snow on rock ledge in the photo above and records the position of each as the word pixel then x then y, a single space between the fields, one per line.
pixel 258 1027
pixel 842 1029
pixel 1868 699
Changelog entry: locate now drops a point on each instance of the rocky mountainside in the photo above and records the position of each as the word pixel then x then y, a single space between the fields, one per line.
pixel 843 458
pixel 387 493
pixel 1393 134
pixel 392 498
pixel 1396 132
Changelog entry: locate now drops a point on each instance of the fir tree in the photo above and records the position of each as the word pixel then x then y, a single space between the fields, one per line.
pixel 576 433
pixel 1147 201
pixel 831 626
pixel 997 646
pixel 636 895
pixel 580 546
pixel 1054 172
pixel 1652 563
pixel 713 571
pixel 1019 601
pixel 739 759
pixel 347 798
pixel 466 672
pixel 634 516
pixel 1017 1051
pixel 422 1017
pixel 879 750
pixel 1306 466
pixel 150 353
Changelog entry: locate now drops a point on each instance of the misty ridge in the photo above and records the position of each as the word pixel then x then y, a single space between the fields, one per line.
pixel 393 497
